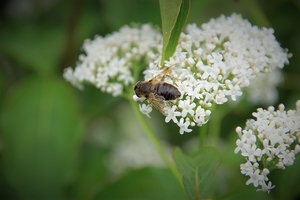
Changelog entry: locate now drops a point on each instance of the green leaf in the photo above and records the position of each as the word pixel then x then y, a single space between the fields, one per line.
pixel 41 132
pixel 92 173
pixel 198 171
pixel 174 15
pixel 36 48
pixel 147 184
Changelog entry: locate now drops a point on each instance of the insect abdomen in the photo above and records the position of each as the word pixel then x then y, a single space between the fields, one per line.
pixel 167 91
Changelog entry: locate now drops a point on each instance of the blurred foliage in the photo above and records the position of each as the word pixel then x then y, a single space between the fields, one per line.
pixel 147 183
pixel 51 144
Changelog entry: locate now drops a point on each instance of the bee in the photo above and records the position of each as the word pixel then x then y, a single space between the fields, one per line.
pixel 157 92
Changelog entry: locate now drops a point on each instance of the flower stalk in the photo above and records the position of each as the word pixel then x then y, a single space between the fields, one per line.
pixel 156 142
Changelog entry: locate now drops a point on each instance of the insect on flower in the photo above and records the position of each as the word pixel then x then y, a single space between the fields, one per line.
pixel 158 92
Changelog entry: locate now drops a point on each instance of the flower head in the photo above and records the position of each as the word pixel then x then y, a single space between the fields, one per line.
pixel 277 132
pixel 108 61
pixel 213 64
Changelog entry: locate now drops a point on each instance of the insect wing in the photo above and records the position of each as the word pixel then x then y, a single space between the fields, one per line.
pixel 161 105
pixel 159 77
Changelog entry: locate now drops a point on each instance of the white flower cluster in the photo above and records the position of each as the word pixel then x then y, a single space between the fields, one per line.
pixel 108 61
pixel 213 63
pixel 269 142
pixel 210 65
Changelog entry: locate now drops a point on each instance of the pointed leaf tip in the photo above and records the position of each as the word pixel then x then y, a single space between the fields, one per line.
pixel 198 171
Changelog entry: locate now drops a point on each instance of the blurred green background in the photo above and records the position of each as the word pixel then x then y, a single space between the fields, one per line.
pixel 54 139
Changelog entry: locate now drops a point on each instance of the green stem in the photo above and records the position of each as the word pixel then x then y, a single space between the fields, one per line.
pixel 215 127
pixel 155 141
pixel 215 122
pixel 202 135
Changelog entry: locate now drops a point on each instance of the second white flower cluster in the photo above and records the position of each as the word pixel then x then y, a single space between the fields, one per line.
pixel 269 142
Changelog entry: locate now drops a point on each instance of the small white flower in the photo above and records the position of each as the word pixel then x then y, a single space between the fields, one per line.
pixel 269 150
pixel 172 114
pixel 183 87
pixel 255 178
pixel 265 187
pixel 247 168
pixel 233 91
pixel 146 109
pixel 261 114
pixel 248 137
pixel 68 75
pixel 201 116
pixel 239 131
pixel 241 146
pixel 287 158
pixel 187 107
pixel 220 98
pixel 265 172
pixel 183 126
pixel 252 153
pixel 210 72
pixel 280 165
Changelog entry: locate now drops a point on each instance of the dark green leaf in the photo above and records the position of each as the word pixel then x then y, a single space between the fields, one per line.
pixel 36 48
pixel 41 133
pixel 148 183
pixel 198 171
pixel 92 173
pixel 174 15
